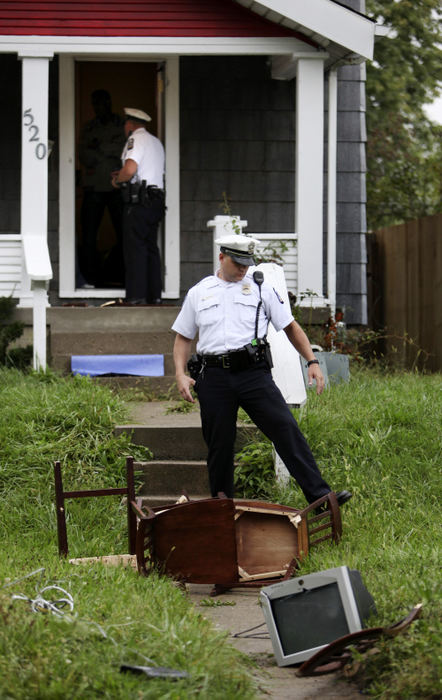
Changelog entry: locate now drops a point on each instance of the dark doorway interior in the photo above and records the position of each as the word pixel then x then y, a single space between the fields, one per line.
pixel 99 143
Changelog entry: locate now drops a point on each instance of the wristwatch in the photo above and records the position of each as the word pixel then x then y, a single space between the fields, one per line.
pixel 312 362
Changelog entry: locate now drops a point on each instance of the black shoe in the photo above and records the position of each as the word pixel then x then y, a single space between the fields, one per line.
pixel 136 302
pixel 342 497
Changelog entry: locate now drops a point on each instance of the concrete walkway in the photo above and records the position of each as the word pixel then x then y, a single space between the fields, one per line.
pixel 243 613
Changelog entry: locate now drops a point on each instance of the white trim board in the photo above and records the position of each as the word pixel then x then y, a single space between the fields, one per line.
pixel 323 18
pixel 156 47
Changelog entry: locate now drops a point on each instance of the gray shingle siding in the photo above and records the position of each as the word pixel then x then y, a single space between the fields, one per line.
pixel 351 291
pixel 238 137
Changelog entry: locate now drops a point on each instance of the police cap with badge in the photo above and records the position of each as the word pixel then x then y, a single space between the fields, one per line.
pixel 239 247
pixel 136 114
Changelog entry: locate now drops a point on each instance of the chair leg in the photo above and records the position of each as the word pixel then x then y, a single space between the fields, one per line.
pixel 131 517
pixel 61 513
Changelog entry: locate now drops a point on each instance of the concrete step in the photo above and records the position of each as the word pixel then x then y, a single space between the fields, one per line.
pixel 149 387
pixel 132 342
pixel 157 477
pixel 109 330
pixel 179 451
pixel 181 442
pixel 62 361
pixel 93 319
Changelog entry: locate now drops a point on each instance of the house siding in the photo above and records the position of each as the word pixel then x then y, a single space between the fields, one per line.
pixel 10 140
pixel 351 254
pixel 237 137
pixel 175 18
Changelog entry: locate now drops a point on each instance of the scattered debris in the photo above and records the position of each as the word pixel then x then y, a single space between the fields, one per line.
pixel 339 654
pixel 128 560
pixel 210 603
pixel 155 672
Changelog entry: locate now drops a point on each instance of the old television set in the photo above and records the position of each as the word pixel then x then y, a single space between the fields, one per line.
pixel 305 614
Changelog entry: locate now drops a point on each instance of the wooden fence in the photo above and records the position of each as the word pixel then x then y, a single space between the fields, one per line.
pixel 405 290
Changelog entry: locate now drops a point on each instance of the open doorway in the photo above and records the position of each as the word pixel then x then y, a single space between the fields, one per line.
pixel 99 142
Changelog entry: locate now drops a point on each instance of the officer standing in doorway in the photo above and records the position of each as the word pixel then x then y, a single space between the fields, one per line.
pixel 100 145
pixel 231 311
pixel 141 180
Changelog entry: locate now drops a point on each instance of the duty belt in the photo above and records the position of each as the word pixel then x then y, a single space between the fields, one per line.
pixel 235 360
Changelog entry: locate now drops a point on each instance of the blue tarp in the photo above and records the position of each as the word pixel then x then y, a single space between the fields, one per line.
pixel 137 365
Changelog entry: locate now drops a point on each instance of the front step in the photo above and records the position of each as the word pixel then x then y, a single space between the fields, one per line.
pixel 110 331
pixel 64 345
pixel 157 476
pixel 179 442
pixel 170 443
pixel 150 387
pixel 179 451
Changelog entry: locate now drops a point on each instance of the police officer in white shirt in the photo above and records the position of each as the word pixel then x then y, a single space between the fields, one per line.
pixel 141 180
pixel 231 311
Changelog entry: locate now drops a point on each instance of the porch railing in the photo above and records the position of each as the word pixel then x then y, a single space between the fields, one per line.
pixel 11 261
pixel 281 248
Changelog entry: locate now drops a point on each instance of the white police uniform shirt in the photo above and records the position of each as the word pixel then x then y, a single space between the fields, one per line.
pixel 224 313
pixel 148 153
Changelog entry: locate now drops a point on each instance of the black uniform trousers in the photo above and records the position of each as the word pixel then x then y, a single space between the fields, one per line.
pixel 92 211
pixel 220 393
pixel 141 253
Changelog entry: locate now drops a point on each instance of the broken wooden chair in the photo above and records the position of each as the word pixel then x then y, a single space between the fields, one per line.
pixel 230 542
pixel 223 541
pixel 338 655
pixel 61 496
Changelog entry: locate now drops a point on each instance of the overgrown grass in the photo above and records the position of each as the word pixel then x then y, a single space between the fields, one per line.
pixel 118 617
pixel 379 436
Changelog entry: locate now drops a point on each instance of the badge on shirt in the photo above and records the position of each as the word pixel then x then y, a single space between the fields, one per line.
pixel 130 144
pixel 246 289
pixel 281 301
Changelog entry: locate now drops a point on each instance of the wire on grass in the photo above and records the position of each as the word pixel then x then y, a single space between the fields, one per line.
pixel 243 633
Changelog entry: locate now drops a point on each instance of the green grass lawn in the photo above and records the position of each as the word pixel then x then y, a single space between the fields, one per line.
pixel 378 436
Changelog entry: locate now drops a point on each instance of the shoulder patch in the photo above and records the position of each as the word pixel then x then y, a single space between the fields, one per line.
pixel 130 143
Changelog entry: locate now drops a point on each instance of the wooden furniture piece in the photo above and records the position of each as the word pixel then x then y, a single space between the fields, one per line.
pixel 230 542
pixel 61 496
pixel 222 541
pixel 339 654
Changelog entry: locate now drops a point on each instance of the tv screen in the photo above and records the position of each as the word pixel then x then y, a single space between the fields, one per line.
pixel 307 613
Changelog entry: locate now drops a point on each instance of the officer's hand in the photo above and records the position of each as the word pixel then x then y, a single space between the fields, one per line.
pixel 184 384
pixel 314 373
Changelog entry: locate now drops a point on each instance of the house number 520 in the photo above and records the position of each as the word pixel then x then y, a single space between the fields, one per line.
pixel 28 120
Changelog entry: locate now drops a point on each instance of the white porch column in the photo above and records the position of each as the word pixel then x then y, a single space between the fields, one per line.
pixel 34 194
pixel 309 176
pixel 172 253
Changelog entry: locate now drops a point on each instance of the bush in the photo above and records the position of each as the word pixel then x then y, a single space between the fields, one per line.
pixel 9 332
